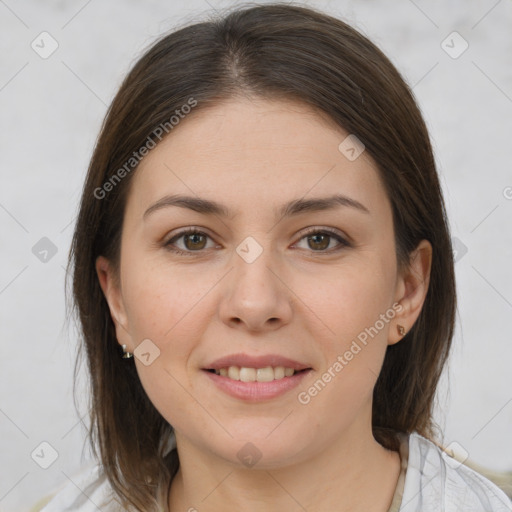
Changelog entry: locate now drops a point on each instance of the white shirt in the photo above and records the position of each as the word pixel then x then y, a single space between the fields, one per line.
pixel 431 481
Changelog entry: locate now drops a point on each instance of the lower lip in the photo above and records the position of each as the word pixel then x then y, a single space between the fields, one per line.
pixel 256 391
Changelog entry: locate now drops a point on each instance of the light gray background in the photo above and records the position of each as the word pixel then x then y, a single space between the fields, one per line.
pixel 51 110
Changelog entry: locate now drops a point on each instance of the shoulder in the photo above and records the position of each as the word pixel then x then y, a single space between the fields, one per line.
pixel 437 481
pixel 85 491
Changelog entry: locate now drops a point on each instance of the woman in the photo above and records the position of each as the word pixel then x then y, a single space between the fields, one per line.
pixel 263 273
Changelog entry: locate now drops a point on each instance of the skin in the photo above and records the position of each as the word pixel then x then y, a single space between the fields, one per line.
pixel 254 155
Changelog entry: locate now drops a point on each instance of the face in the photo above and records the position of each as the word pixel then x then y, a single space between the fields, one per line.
pixel 278 280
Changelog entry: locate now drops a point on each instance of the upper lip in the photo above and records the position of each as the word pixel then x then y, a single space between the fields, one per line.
pixel 248 361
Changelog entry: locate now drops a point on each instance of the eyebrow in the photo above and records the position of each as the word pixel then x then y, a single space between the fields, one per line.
pixel 294 207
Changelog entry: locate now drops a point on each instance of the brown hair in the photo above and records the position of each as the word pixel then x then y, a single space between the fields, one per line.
pixel 272 51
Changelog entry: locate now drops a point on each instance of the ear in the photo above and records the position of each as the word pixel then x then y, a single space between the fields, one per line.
pixel 112 292
pixel 411 290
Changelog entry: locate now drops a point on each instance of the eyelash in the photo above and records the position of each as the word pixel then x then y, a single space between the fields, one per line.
pixel 315 231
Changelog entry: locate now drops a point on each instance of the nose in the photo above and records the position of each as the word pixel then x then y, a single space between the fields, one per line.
pixel 255 296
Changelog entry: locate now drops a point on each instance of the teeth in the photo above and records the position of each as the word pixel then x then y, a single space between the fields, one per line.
pixel 247 374
pixel 279 372
pixel 234 372
pixel 266 374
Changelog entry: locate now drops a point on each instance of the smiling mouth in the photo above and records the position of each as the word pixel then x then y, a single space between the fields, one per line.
pixel 266 374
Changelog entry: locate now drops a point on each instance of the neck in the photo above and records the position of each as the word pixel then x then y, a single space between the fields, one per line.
pixel 355 473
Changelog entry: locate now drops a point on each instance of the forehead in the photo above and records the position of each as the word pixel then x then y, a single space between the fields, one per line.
pixel 253 151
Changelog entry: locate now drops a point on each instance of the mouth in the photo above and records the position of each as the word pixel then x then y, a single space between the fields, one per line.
pixel 255 385
pixel 247 374
pixel 255 378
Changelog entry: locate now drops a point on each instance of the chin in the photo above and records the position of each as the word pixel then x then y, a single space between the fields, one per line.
pixel 263 451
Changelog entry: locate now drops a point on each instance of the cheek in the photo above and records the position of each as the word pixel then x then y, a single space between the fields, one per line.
pixel 350 299
pixel 164 303
pixel 165 307
pixel 354 306
pixel 167 389
pixel 169 307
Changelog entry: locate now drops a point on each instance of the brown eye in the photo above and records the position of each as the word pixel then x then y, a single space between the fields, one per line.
pixel 319 241
pixel 194 242
pixel 191 240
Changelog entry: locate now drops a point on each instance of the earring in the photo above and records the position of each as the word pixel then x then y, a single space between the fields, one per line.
pixel 126 354
pixel 401 330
